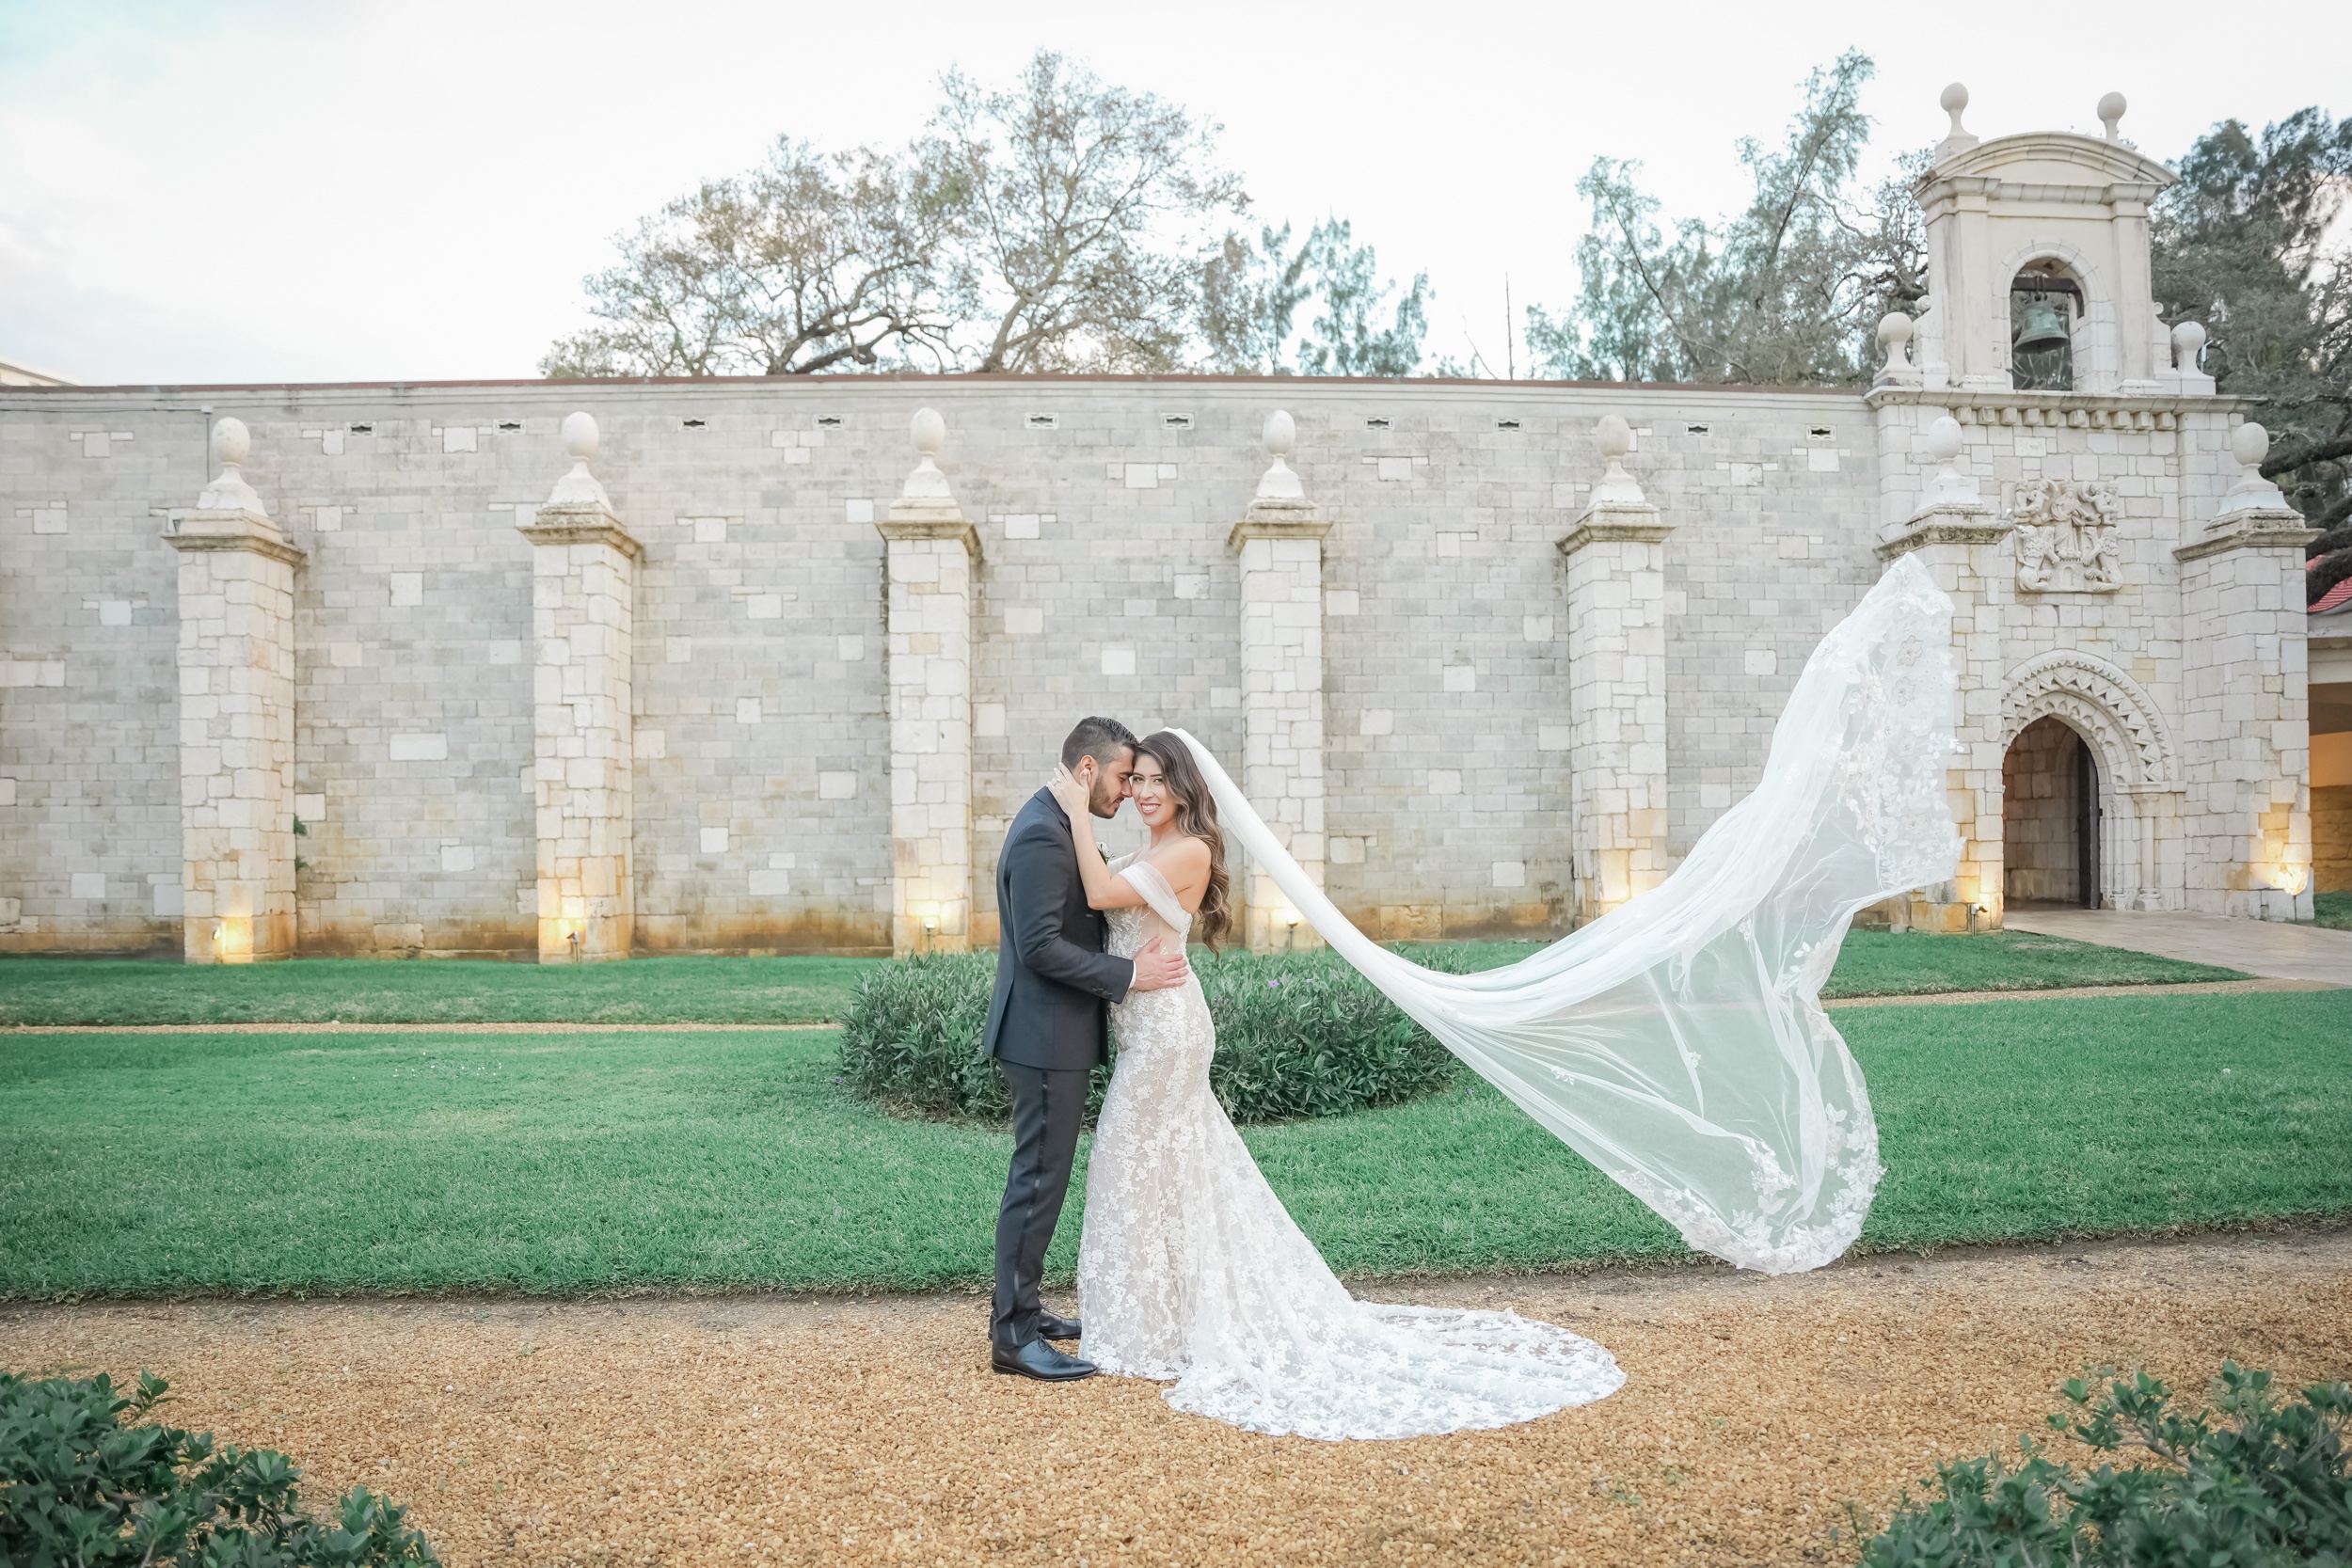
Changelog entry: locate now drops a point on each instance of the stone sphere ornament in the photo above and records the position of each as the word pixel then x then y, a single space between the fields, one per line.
pixel 1954 98
pixel 1281 433
pixel 2111 109
pixel 580 436
pixel 2250 443
pixel 2188 341
pixel 929 430
pixel 1616 436
pixel 1944 439
pixel 232 443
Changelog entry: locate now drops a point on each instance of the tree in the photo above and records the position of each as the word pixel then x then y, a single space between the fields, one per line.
pixel 1790 292
pixel 1251 297
pixel 810 262
pixel 1081 216
pixel 2241 247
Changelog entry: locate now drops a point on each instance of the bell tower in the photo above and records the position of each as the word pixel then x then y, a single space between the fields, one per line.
pixel 2037 250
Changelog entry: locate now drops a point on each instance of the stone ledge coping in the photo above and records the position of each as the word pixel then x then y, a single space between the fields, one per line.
pixel 1603 524
pixel 1279 520
pixel 249 531
pixel 2263 530
pixel 1946 525
pixel 2056 410
pixel 580 524
pixel 921 522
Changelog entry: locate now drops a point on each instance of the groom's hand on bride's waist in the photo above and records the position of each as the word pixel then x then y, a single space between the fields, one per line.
pixel 1157 969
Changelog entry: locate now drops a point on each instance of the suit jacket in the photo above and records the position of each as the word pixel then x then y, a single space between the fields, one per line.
pixel 1054 982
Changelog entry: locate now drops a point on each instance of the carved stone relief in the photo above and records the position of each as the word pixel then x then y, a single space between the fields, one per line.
pixel 2066 532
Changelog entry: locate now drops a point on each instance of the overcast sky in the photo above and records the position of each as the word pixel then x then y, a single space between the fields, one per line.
pixel 256 192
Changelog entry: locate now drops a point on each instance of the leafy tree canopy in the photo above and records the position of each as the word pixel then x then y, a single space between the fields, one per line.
pixel 2247 245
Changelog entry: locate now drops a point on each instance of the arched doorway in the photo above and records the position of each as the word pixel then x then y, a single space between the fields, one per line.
pixel 2051 817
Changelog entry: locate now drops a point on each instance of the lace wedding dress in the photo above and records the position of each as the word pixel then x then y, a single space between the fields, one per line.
pixel 1189 1268
pixel 1678 1042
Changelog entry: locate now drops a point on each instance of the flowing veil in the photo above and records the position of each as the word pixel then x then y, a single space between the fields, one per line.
pixel 1678 1042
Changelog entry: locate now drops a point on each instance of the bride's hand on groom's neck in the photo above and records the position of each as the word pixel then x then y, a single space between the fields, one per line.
pixel 1070 793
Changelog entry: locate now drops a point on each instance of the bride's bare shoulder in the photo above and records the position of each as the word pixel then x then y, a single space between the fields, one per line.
pixel 1185 861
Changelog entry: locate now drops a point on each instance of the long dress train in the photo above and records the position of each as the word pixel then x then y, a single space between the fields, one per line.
pixel 1189 1267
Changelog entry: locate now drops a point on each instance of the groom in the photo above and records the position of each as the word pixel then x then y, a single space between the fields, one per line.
pixel 1049 1025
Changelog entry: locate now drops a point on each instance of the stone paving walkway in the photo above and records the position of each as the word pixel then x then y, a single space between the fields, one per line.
pixel 1763 1420
pixel 2268 948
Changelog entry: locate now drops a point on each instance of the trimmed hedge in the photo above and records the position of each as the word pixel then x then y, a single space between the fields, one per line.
pixel 1298 1034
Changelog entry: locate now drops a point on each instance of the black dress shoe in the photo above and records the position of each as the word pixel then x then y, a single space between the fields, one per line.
pixel 1042 1361
pixel 1051 1327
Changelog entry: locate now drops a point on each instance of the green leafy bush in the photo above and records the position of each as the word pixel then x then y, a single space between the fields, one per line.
pixel 79 1488
pixel 1298 1034
pixel 2251 1484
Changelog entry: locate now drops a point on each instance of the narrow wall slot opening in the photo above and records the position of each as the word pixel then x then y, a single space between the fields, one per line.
pixel 1506 425
pixel 828 421
pixel 1045 421
pixel 1175 422
pixel 1820 432
pixel 694 424
pixel 1697 429
pixel 362 429
pixel 1376 422
pixel 510 425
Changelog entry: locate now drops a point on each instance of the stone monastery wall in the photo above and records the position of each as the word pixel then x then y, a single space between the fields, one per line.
pixel 772 664
pixel 762 774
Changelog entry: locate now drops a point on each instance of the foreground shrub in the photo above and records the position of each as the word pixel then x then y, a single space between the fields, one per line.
pixel 2250 1484
pixel 78 1487
pixel 1298 1034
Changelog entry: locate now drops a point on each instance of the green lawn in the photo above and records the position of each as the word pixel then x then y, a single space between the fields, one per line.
pixel 146 1164
pixel 2332 910
pixel 458 991
pixel 811 990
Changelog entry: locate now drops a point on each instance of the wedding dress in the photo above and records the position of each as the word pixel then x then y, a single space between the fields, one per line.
pixel 1678 1042
pixel 1189 1268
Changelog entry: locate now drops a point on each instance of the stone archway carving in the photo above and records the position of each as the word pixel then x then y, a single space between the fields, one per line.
pixel 2140 778
pixel 2102 701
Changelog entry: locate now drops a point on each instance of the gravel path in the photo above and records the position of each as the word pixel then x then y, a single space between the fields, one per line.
pixel 1762 1420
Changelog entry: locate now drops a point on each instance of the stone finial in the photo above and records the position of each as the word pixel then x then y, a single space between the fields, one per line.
pixel 1949 487
pixel 2249 444
pixel 579 487
pixel 1956 139
pixel 1894 331
pixel 2188 341
pixel 232 444
pixel 2111 109
pixel 1281 483
pixel 1616 486
pixel 927 483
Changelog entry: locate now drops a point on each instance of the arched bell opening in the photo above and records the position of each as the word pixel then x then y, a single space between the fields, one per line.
pixel 2046 312
pixel 2053 819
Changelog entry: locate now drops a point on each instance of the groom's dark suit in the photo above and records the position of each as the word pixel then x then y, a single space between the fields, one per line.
pixel 1049 1025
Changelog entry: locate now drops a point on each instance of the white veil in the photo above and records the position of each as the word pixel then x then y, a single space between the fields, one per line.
pixel 1678 1042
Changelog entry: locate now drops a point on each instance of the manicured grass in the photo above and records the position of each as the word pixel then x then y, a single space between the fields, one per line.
pixel 2332 910
pixel 156 1163
pixel 453 990
pixel 817 990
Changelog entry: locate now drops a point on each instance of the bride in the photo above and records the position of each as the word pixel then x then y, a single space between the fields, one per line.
pixel 1189 1268
pixel 1678 1042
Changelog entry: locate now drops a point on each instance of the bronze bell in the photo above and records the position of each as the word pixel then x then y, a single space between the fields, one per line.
pixel 2045 326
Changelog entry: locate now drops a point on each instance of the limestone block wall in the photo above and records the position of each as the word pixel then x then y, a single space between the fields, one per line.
pixel 90 795
pixel 1104 580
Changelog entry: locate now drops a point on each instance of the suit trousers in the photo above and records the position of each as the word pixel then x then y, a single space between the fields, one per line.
pixel 1047 1107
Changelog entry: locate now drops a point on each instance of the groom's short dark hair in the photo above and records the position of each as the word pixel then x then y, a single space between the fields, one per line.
pixel 1100 739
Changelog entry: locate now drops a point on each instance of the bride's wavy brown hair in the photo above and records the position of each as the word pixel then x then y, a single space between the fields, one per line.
pixel 1196 813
